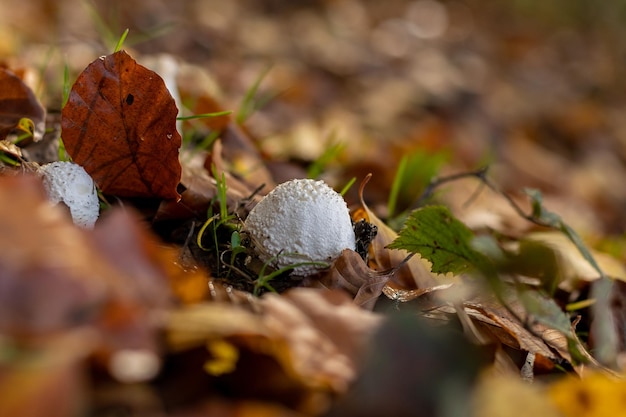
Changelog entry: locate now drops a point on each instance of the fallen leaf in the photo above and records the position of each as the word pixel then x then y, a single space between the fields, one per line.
pixel 414 274
pixel 572 266
pixel 325 333
pixel 122 239
pixel 120 125
pixel 44 288
pixel 351 273
pixel 193 325
pixel 595 395
pixel 509 396
pixel 51 372
pixel 17 102
pixel 499 325
pixel 56 277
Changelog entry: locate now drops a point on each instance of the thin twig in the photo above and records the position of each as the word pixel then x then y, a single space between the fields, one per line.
pixel 434 183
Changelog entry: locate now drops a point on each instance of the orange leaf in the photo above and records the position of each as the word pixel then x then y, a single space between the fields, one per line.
pixel 120 125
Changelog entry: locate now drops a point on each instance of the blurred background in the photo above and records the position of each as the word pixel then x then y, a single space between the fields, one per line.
pixel 533 88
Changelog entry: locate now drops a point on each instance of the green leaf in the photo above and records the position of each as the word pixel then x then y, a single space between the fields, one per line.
pixel 545 311
pixel 435 234
pixel 606 344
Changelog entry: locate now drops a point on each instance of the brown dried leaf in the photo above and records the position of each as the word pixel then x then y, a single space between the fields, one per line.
pixel 191 326
pixel 497 323
pixel 120 125
pixel 50 374
pixel 17 101
pixel 56 277
pixel 414 274
pixel 122 240
pixel 325 332
pixel 305 343
pixel 351 273
pixel 51 276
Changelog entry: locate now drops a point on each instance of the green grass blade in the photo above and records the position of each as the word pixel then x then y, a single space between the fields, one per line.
pixel 205 115
pixel 396 186
pixel 120 42
pixel 248 104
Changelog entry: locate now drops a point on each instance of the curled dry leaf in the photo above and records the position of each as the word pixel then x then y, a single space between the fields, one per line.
pixel 496 324
pixel 17 102
pixel 414 274
pixel 317 338
pixel 351 273
pixel 120 125
pixel 325 333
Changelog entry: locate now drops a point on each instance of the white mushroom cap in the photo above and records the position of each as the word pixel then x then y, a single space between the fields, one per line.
pixel 301 221
pixel 70 183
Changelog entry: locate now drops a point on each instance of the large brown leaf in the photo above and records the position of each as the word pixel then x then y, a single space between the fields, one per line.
pixel 120 125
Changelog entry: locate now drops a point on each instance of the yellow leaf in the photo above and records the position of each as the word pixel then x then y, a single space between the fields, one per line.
pixel 596 395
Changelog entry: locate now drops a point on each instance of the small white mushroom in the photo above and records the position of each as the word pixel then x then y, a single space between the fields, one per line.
pixel 69 183
pixel 300 221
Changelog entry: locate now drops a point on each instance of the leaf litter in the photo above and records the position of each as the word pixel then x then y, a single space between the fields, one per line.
pixel 471 296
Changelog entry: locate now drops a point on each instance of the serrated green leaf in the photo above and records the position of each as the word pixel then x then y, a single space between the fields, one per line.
pixel 436 235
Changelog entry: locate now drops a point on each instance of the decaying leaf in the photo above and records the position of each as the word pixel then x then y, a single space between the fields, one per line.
pixel 57 278
pixel 572 266
pixel 414 274
pixel 595 395
pixel 120 125
pixel 351 273
pixel 325 334
pixel 17 103
pixel 509 396
pixel 322 331
pixel 49 372
pixel 497 324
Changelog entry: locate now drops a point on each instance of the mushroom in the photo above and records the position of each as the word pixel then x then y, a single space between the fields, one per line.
pixel 69 183
pixel 301 220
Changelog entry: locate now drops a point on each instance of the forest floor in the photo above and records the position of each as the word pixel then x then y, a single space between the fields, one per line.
pixel 485 139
